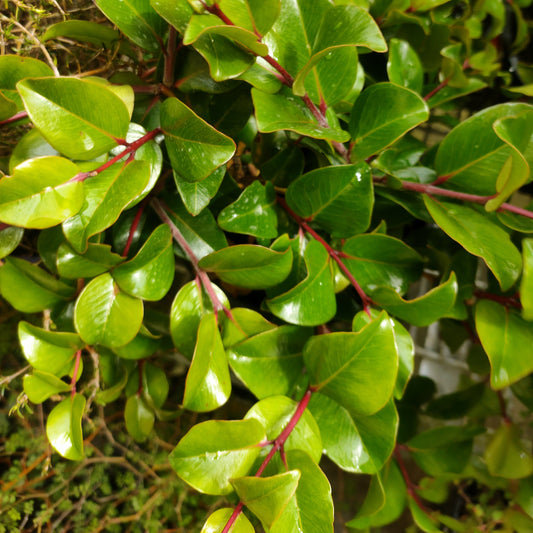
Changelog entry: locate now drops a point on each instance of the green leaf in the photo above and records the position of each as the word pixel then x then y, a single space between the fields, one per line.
pixel 524 496
pixel 49 351
pixel 201 232
pixel 339 198
pixel 421 311
pixel 208 384
pixel 39 386
pixel 422 519
pixel 450 93
pixel 456 404
pixel 106 195
pixel 312 301
pixel 342 366
pixel 63 427
pixel 194 147
pixel 155 385
pixel 474 166
pixel 143 345
pixel 382 261
pixel 234 444
pixel 246 323
pixel 506 456
pixel 506 338
pixel 252 213
pixel 198 194
pixel 10 238
pixel 84 31
pixel 382 114
pixel 39 194
pixel 31 145
pixel 253 14
pixel 404 67
pixel 30 289
pixel 276 353
pixel 218 520
pixel 137 19
pixel 275 412
pixel 95 261
pixel 341 30
pixel 526 283
pixel 189 306
pixel 479 236
pixel 79 118
pixel 267 497
pixel 358 444
pixel 139 418
pixel 150 273
pixel 284 111
pixel 249 265
pixel 175 12
pixel 105 315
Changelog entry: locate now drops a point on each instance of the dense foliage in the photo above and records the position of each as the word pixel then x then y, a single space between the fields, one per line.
pixel 263 203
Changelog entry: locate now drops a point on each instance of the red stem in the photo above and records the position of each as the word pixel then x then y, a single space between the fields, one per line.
pixel 507 301
pixel 410 485
pixel 438 88
pixel 503 408
pixel 277 446
pixel 14 118
pixel 170 57
pixel 75 374
pixel 133 227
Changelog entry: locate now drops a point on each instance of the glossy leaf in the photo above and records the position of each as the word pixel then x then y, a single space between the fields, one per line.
pixel 506 456
pixel 195 148
pixel 137 20
pixel 208 384
pixel 526 283
pixel 150 273
pixel 246 323
pixel 95 261
pixel 311 302
pixel 249 266
pixel 283 111
pixel 275 412
pixel 382 261
pixel 105 315
pixel 381 115
pixel 339 198
pixel 480 237
pixel 49 351
pixel 106 195
pixel 234 444
pixel 404 67
pixel 254 14
pixel 84 31
pixel 421 311
pixel 276 353
pixel 79 118
pixel 63 427
pixel 197 195
pixel 342 366
pixel 29 288
pixel 39 194
pixel 252 213
pixel 10 238
pixel 218 520
pixel 506 338
pixel 143 345
pixel 39 386
pixel 31 145
pixel 139 418
pixel 267 497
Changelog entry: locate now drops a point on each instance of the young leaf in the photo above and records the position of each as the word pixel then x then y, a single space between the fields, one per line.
pixel 150 273
pixel 208 384
pixel 105 315
pixel 39 195
pixel 218 520
pixel 506 338
pixel 90 116
pixel 63 427
pixel 249 266
pixel 339 198
pixel 235 445
pixel 381 115
pixel 194 147
pixel 342 366
pixel 39 386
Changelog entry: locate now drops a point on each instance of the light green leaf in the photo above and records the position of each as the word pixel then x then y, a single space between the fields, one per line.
pixel 526 283
pixel 105 315
pixel 79 118
pixel 253 14
pixel 63 427
pixel 218 520
pixel 95 261
pixel 39 194
pixel 249 265
pixel 479 236
pixel 506 338
pixel 208 384
pixel 139 418
pixel 84 31
pixel 234 444
pixel 10 238
pixel 422 519
pixel 339 198
pixel 143 345
pixel 31 145
pixel 342 366
pixel 39 386
pixel 381 115
pixel 194 147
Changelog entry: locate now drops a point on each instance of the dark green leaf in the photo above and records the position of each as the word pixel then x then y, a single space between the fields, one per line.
pixel 404 66
pixel 198 194
pixel 10 238
pixel 84 31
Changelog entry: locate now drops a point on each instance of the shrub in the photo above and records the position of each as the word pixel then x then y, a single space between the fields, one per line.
pixel 264 204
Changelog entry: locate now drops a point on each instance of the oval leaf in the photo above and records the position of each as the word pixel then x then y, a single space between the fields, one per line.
pixel 63 427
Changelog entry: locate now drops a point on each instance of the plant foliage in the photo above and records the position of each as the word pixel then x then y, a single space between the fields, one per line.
pixel 253 202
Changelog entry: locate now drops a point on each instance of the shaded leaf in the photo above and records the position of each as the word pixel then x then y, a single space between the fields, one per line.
pixel 139 418
pixel 404 67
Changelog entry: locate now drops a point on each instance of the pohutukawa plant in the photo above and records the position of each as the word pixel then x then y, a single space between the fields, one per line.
pixel 279 193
